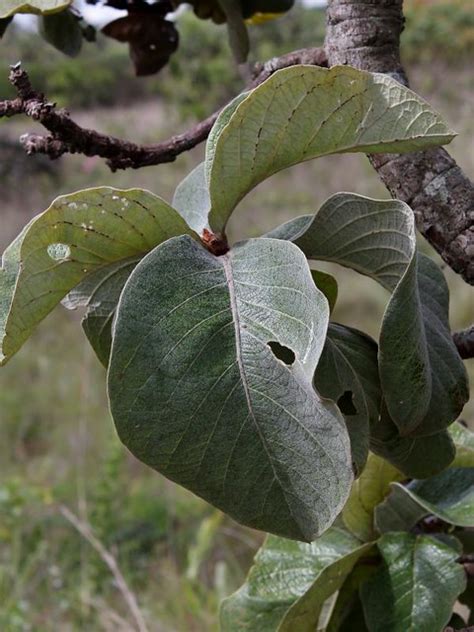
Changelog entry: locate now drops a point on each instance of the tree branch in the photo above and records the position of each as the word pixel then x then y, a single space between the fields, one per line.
pixel 366 34
pixel 66 136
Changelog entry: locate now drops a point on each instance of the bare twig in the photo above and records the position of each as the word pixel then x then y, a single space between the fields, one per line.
pixel 366 34
pixel 86 532
pixel 464 341
pixel 66 136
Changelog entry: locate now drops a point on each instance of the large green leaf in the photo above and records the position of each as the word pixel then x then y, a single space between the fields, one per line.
pixel 416 588
pixel 99 293
pixel 423 378
pixel 347 373
pixel 289 582
pixel 367 492
pixel 78 235
pixel 40 7
pixel 198 392
pixel 303 112
pixel 449 496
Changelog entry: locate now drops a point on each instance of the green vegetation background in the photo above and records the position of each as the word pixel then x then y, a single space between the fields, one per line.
pixel 58 444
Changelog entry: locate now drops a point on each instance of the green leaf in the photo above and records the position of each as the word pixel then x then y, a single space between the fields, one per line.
pixel 221 122
pixel 449 496
pixel 303 112
pixel 347 614
pixel 39 7
pixel 449 381
pixel 367 492
pixel 417 586
pixel 416 457
pixel 99 293
pixel 305 613
pixel 191 199
pixel 328 286
pixel 289 582
pixel 398 512
pixel 347 373
pixel 63 31
pixel 198 392
pixel 422 375
pixel 464 441
pixel 76 236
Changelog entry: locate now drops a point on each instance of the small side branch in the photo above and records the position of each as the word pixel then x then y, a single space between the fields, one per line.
pixel 66 136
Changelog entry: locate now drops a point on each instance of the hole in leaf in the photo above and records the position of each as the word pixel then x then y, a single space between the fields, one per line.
pixel 346 405
pixel 281 352
pixel 58 252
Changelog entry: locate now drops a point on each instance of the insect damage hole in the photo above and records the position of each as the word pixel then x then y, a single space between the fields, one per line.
pixel 281 352
pixel 346 404
pixel 59 252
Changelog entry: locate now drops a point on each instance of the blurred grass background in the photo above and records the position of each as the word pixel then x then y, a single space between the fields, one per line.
pixel 178 556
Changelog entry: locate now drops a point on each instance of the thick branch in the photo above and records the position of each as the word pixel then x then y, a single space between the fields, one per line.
pixel 366 34
pixel 66 136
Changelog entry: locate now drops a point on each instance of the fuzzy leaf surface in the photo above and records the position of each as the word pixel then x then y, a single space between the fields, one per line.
pixel 197 392
pixel 76 236
pixel 289 582
pixel 416 588
pixel 303 112
pixel 423 378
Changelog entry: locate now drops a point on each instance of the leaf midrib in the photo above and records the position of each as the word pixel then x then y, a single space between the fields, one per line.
pixel 227 265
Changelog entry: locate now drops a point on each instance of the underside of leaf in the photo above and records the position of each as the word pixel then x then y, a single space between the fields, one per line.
pixel 78 235
pixel 198 393
pixel 303 112
pixel 423 378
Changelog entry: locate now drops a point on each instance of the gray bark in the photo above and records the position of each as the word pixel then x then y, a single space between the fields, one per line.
pixel 366 34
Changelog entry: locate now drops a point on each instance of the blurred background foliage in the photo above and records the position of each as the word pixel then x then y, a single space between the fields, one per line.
pixel 58 446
